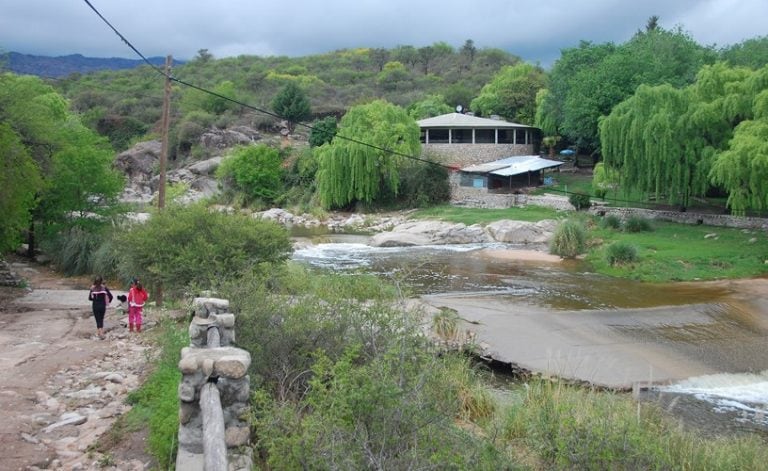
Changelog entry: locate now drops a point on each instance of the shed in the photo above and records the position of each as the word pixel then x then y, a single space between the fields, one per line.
pixel 507 174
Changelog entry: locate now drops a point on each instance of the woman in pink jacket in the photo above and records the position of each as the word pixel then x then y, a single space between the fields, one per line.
pixel 137 296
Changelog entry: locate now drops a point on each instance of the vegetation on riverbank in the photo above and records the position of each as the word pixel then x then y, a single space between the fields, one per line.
pixel 668 252
pixel 346 379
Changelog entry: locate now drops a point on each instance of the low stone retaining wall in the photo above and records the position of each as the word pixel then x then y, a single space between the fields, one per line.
pixel 476 198
pixel 721 220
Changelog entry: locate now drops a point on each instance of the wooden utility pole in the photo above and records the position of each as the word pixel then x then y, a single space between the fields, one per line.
pixel 166 122
pixel 165 125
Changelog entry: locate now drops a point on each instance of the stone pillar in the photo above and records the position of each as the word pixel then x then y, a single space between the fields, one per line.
pixel 223 367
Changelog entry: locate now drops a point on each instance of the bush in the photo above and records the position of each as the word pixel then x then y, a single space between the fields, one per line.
pixel 192 246
pixel 620 253
pixel 637 224
pixel 424 184
pixel 611 222
pixel 72 250
pixel 579 201
pixel 347 379
pixel 253 171
pixel 569 239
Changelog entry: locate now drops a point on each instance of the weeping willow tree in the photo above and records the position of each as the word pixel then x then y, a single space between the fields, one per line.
pixel 668 142
pixel 644 141
pixel 742 168
pixel 362 162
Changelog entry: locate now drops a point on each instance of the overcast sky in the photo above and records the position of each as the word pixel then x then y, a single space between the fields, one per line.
pixel 534 30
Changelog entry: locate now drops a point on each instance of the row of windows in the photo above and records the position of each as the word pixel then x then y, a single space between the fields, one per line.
pixel 482 136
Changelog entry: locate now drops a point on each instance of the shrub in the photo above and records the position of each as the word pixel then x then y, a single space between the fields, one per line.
pixel 611 222
pixel 424 184
pixel 620 253
pixel 579 201
pixel 569 239
pixel 72 250
pixel 637 224
pixel 254 171
pixel 194 246
pixel 446 323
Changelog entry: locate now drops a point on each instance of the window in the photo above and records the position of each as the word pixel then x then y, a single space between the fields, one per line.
pixel 485 136
pixel 461 136
pixel 506 136
pixel 472 180
pixel 438 136
pixel 520 136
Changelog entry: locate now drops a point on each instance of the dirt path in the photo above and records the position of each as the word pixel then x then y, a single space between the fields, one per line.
pixel 48 358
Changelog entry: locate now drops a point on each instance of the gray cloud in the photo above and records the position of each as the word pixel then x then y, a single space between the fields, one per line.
pixel 233 27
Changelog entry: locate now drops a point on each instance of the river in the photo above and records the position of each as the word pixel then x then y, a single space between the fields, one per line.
pixel 708 342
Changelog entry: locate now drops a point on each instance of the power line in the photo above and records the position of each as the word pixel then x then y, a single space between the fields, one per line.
pixel 251 107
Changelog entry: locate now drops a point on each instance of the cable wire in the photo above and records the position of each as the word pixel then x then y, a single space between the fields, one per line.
pixel 251 107
pixel 305 125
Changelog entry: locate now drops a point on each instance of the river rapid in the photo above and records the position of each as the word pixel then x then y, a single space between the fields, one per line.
pixel 734 399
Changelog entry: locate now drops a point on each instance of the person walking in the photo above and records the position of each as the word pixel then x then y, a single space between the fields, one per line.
pixel 137 296
pixel 100 296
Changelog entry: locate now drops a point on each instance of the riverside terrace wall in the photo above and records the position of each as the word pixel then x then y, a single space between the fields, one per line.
pixel 479 198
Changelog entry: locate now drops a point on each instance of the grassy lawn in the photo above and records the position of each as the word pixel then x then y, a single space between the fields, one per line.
pixel 683 252
pixel 471 216
pixel 671 252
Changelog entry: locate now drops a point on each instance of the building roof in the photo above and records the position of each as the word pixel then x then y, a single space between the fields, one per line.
pixel 513 165
pixel 458 120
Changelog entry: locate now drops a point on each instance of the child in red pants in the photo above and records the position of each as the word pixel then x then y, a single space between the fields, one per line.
pixel 137 296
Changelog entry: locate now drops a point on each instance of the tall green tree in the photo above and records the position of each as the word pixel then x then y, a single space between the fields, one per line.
pixel 752 53
pixel 512 93
pixel 588 81
pixel 676 143
pixel 19 182
pixel 76 185
pixel 433 105
pixel 363 160
pixel 292 104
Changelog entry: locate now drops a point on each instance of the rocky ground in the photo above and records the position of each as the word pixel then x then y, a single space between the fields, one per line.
pixel 64 387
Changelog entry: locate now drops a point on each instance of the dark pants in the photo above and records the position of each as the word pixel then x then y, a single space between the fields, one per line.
pixel 98 313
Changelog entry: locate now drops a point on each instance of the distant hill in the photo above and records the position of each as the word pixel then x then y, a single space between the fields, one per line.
pixel 62 66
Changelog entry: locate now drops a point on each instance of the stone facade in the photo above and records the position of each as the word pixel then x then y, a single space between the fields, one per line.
pixel 464 155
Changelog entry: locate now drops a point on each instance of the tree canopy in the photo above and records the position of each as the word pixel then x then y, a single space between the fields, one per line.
pixel 292 104
pixel 675 143
pixel 589 80
pixel 512 93
pixel 350 171
pixel 58 172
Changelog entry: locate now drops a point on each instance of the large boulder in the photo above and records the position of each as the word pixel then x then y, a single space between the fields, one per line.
pixel 430 233
pixel 139 164
pixel 521 232
pixel 216 141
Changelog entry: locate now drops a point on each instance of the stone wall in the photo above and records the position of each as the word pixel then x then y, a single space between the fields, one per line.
pixel 464 155
pixel 480 198
pixel 722 220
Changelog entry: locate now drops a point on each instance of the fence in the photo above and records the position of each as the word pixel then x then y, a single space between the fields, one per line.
pixel 213 393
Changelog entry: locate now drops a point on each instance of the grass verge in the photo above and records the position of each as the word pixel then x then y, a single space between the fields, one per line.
pixel 570 427
pixel 155 403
